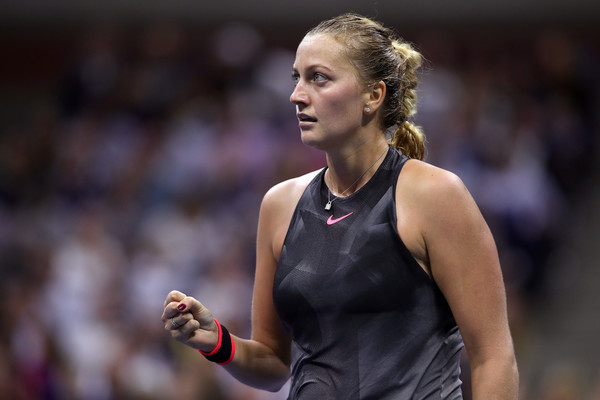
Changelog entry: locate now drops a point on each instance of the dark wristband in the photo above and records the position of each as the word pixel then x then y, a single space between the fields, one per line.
pixel 225 350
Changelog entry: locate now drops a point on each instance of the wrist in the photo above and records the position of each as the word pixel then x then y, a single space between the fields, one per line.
pixel 224 351
pixel 214 348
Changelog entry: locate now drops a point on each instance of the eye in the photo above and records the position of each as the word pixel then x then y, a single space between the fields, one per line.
pixel 295 78
pixel 318 77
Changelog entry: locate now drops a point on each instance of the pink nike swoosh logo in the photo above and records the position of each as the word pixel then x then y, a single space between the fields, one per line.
pixel 331 221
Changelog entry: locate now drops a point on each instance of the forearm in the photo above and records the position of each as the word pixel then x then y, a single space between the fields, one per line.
pixel 256 365
pixel 495 379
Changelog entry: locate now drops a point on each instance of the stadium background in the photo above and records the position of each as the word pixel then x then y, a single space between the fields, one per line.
pixel 137 140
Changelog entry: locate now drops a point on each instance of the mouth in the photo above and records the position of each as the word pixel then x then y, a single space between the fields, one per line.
pixel 306 118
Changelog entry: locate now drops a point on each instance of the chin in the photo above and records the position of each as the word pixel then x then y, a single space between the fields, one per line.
pixel 312 141
pixel 321 141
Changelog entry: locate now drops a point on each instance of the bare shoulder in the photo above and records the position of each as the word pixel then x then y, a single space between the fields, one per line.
pixel 434 198
pixel 278 208
pixel 432 188
pixel 426 179
pixel 286 194
pixel 427 198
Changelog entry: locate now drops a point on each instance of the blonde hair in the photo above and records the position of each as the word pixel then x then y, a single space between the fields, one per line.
pixel 379 55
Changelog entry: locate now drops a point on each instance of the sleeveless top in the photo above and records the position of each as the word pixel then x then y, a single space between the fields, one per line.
pixel 366 321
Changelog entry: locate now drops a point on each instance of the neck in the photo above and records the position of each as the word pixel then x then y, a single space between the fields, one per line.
pixel 349 171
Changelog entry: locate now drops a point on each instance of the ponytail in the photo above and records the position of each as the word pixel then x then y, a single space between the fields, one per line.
pixel 409 139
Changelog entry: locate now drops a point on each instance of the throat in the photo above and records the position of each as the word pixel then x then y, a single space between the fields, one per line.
pixel 354 184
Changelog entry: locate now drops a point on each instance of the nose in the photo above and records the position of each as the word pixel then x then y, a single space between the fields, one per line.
pixel 298 95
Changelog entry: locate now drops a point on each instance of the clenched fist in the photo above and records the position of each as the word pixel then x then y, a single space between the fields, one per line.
pixel 190 322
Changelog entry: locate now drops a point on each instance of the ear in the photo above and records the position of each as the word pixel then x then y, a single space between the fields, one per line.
pixel 375 95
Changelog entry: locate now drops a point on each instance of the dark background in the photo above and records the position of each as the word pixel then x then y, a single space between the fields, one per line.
pixel 138 138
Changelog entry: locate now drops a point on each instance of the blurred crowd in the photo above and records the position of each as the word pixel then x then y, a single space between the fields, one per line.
pixel 141 169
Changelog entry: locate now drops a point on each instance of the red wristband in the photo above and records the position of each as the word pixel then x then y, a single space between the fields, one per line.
pixel 219 341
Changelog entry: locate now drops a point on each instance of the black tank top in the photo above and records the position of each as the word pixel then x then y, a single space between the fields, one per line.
pixel 367 322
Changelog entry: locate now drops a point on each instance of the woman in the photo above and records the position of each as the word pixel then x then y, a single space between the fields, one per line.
pixel 372 271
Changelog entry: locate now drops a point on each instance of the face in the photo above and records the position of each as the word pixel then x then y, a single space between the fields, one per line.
pixel 328 96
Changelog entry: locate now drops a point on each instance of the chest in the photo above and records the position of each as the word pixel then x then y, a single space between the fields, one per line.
pixel 351 262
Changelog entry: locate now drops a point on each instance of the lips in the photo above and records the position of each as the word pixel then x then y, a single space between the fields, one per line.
pixel 306 118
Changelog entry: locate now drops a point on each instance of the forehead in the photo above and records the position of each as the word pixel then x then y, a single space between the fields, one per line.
pixel 321 49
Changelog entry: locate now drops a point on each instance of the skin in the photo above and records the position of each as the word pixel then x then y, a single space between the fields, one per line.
pixel 449 238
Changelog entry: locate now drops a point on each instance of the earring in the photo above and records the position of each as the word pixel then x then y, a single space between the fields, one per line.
pixel 367 110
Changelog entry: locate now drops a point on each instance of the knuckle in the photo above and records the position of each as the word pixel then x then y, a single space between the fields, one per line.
pixel 186 317
pixel 168 313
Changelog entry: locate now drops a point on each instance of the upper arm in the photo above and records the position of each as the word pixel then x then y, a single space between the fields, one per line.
pixel 266 325
pixel 276 212
pixel 464 263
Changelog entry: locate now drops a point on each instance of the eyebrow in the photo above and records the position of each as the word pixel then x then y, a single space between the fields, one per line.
pixel 313 67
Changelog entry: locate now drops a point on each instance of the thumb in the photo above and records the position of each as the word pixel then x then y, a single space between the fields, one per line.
pixel 202 315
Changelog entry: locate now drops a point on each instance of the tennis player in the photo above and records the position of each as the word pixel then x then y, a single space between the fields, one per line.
pixel 374 272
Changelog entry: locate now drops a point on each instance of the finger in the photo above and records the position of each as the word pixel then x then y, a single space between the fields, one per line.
pixel 197 309
pixel 186 331
pixel 174 295
pixel 171 325
pixel 172 306
pixel 170 311
pixel 178 321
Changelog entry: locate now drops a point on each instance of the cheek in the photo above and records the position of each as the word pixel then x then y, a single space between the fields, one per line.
pixel 345 114
pixel 344 104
